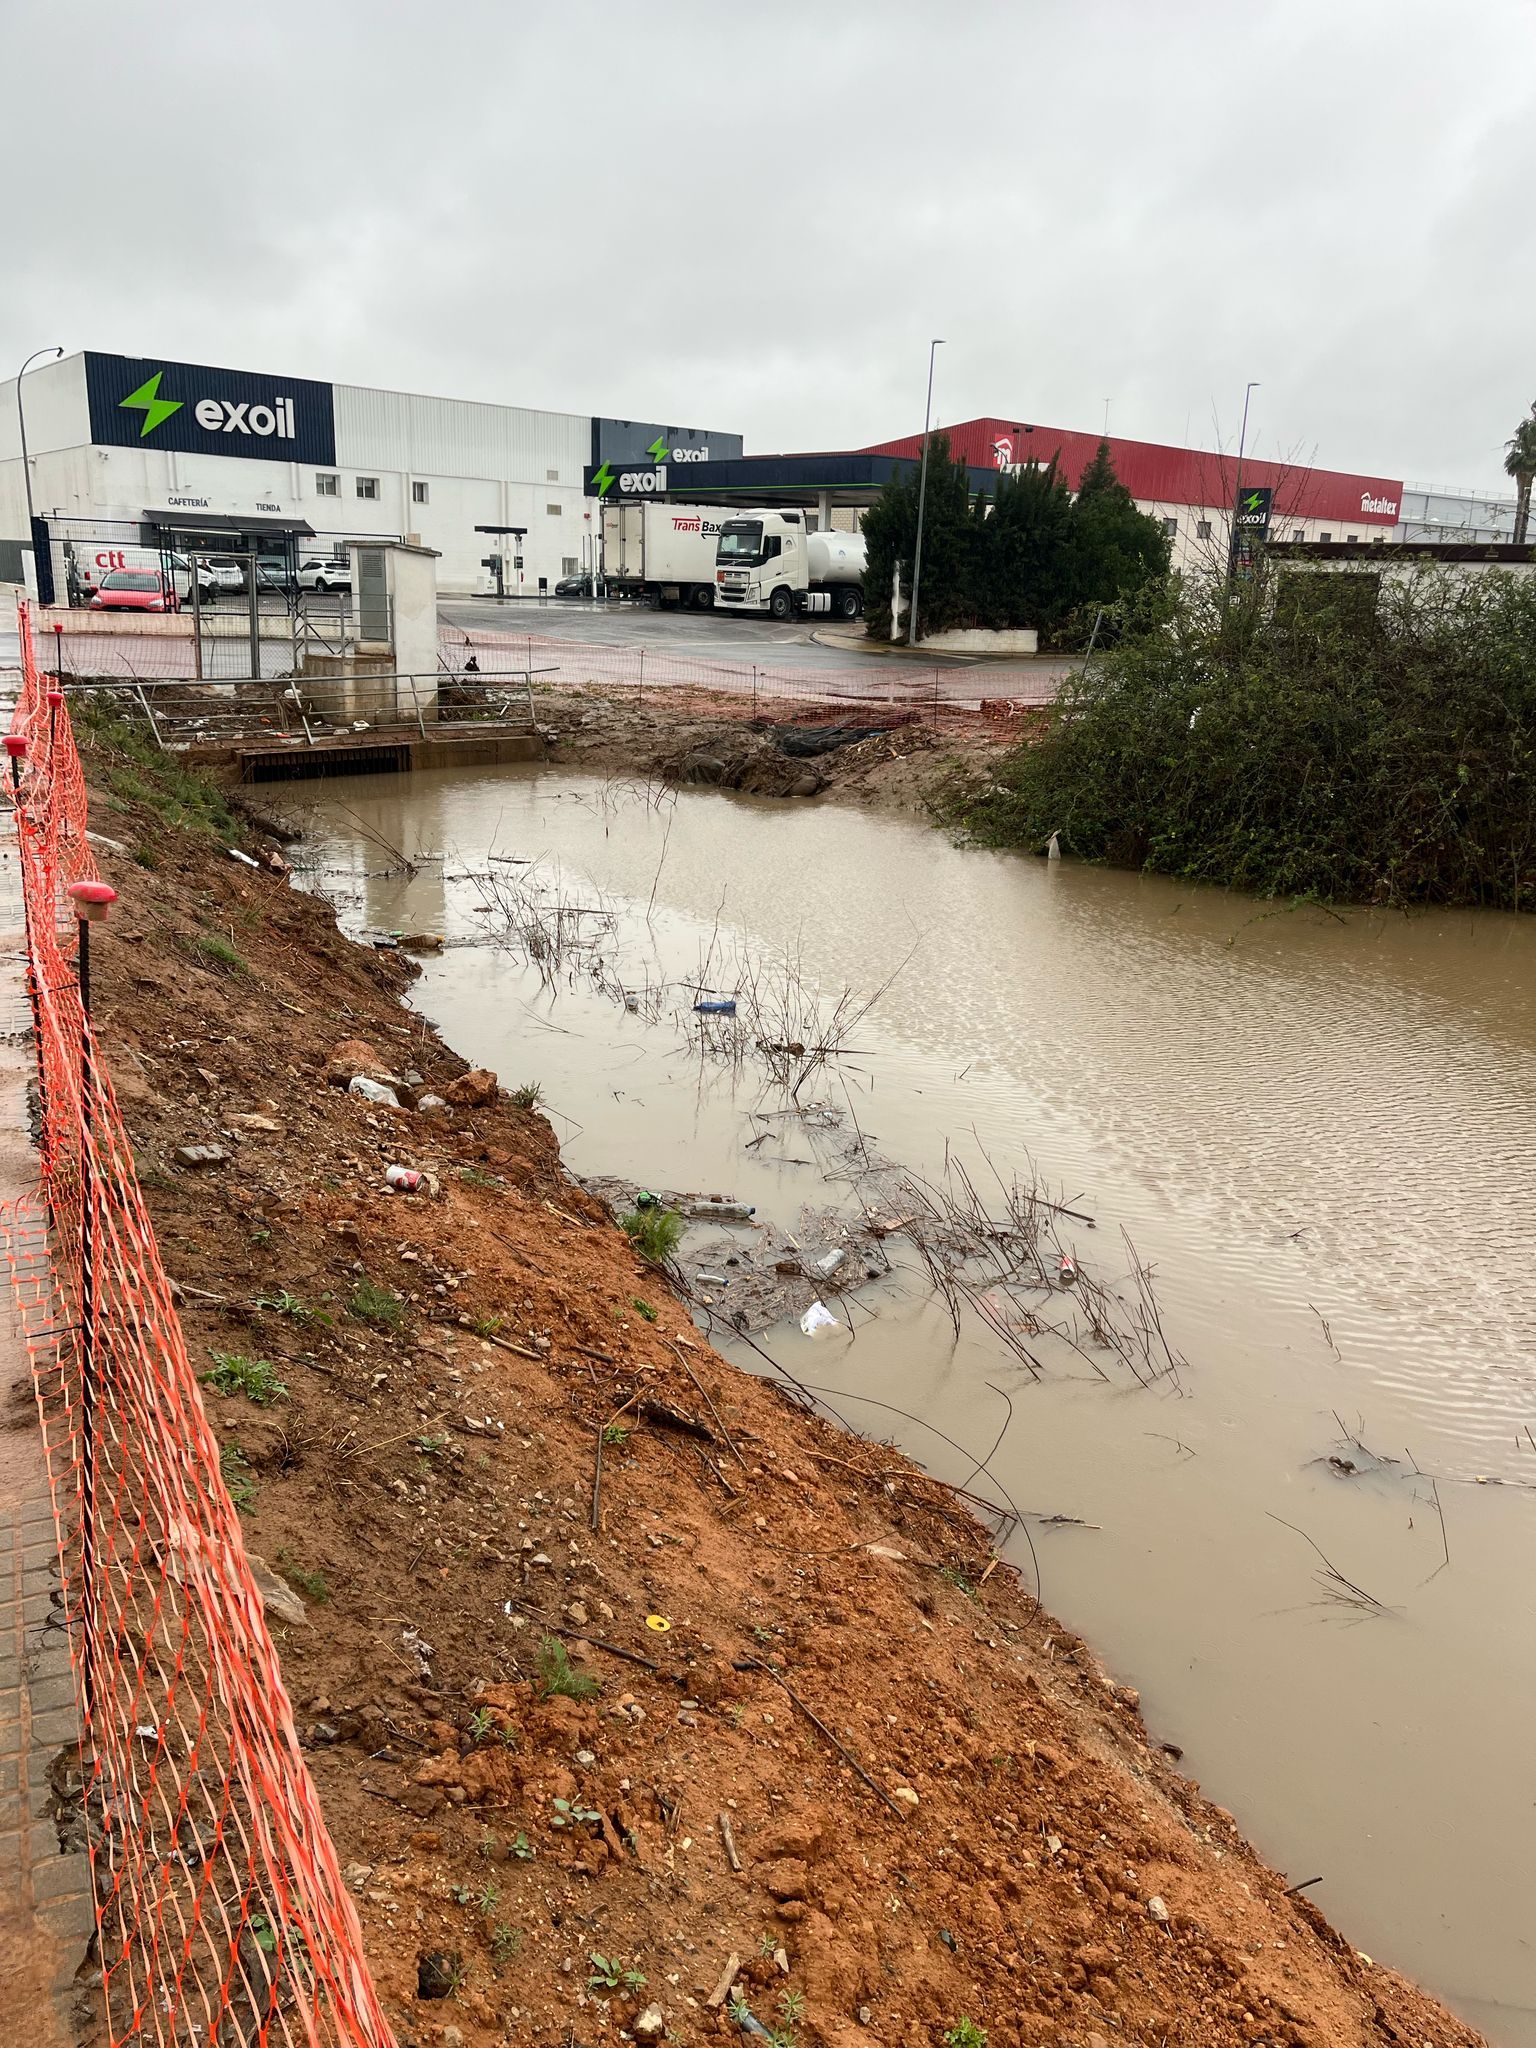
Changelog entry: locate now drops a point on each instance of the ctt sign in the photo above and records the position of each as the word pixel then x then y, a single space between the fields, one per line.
pixel 194 409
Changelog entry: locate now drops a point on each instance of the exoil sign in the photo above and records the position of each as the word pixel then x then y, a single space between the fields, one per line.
pixel 197 409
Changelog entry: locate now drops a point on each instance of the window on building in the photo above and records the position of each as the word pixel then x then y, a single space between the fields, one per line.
pixel 1202 529
pixel 1171 528
pixel 327 484
pixel 1325 536
pixel 419 494
pixel 552 476
pixel 1352 537
pixel 553 511
pixel 367 487
pixel 569 566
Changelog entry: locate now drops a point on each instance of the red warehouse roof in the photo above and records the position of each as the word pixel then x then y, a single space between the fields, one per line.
pixel 1156 474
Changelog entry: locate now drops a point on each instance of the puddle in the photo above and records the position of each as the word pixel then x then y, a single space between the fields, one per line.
pixel 1317 1132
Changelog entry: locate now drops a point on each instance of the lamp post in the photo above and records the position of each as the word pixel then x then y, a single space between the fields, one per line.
pixel 1237 494
pixel 922 498
pixel 21 421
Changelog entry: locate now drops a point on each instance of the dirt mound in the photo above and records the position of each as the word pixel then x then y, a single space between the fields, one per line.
pixel 630 1689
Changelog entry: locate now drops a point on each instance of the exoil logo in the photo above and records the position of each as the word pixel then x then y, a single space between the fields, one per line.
pixel 266 422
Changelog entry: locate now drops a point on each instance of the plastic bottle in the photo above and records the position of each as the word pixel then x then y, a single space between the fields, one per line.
pixel 712 1209
pixel 725 1006
pixel 827 1266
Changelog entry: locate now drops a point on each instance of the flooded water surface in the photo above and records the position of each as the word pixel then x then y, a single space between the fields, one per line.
pixel 1318 1129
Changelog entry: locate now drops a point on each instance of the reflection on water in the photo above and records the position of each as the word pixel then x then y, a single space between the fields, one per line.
pixel 1320 1131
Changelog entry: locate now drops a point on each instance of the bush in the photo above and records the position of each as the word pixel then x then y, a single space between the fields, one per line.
pixel 256 1378
pixel 655 1233
pixel 554 1676
pixel 1293 743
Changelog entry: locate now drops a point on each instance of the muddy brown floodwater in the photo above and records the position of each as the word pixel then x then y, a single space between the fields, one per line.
pixel 1319 1129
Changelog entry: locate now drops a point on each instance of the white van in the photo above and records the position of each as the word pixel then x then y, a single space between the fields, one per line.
pixel 86 563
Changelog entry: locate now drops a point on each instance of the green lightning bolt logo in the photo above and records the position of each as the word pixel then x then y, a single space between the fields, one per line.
pixel 603 481
pixel 1251 502
pixel 658 449
pixel 156 410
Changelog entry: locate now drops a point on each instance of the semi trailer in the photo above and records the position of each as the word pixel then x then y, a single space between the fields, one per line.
pixel 771 562
pixel 664 554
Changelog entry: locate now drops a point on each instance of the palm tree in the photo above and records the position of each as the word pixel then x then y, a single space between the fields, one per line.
pixel 1520 463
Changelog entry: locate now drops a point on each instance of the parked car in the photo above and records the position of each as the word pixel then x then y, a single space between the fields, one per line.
pixel 136 590
pixel 575 586
pixel 319 573
pixel 274 572
pixel 222 573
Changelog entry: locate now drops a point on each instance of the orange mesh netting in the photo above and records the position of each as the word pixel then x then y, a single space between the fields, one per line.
pixel 221 1915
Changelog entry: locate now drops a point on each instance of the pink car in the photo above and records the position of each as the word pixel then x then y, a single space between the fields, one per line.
pixel 136 590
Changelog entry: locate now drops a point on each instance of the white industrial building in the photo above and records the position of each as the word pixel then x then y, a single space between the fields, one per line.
pixel 188 453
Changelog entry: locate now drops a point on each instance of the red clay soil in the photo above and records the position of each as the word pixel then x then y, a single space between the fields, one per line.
pixel 828 1739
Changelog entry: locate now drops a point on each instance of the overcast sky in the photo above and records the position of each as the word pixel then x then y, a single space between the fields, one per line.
pixel 753 217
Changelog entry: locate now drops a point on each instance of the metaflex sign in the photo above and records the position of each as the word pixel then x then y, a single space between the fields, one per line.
pixel 136 402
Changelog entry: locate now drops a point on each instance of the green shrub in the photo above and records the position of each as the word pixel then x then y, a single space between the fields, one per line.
pixel 529 1096
pixel 554 1676
pixel 377 1305
pixel 211 946
pixel 655 1233
pixel 256 1378
pixel 1293 746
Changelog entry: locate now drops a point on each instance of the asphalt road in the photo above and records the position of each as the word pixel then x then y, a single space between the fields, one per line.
pixel 706 636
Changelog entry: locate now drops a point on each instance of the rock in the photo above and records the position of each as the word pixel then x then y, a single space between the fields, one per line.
pixel 452 2037
pixel 420 942
pixel 255 1123
pixel 277 1596
pixel 576 1613
pixel 651 2025
pixel 107 845
pixel 426 1104
pixel 200 1155
pixel 805 785
pixel 355 1056
pixel 794 1838
pixel 784 1880
pixel 439 1973
pixel 905 1796
pixel 1157 1909
pixel 474 1090
pixel 356 1875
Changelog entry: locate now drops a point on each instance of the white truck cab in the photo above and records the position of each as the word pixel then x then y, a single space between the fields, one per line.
pixel 769 562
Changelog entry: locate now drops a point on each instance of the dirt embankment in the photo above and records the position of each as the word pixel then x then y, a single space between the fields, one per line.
pixel 827 1741
pixel 691 737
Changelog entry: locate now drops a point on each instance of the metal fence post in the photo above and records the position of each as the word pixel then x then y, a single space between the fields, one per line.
pixel 92 900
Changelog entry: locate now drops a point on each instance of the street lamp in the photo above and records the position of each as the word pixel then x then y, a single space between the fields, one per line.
pixel 922 496
pixel 21 420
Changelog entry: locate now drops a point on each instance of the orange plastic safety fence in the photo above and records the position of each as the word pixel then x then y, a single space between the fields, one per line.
pixel 221 1915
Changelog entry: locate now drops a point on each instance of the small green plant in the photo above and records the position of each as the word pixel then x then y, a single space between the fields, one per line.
pixel 767 1945
pixel 654 1233
pixel 957 1579
pixel 490 1897
pixel 238 1483
pixel 568 1814
pixel 740 2012
pixel 282 1303
pixel 609 1974
pixel 792 2008
pixel 642 1308
pixel 262 1236
pixel 371 1303
pixel 965 2034
pixel 461 1894
pixel 145 858
pixel 527 1097
pixel 554 1677
pixel 473 1177
pixel 488 1326
pixel 256 1378
pixel 615 1435
pixel 262 1933
pixel 505 1942
pixel 523 1850
pixel 311 1584
pixel 486 1846
pixel 431 1446
pixel 211 946
pixel 482 1726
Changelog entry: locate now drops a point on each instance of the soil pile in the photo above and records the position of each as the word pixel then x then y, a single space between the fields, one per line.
pixel 638 1699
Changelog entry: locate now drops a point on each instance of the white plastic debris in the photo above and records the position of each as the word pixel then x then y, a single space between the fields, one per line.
pixel 818 1317
pixel 405 1180
pixel 827 1266
pixel 373 1091
pixel 236 854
